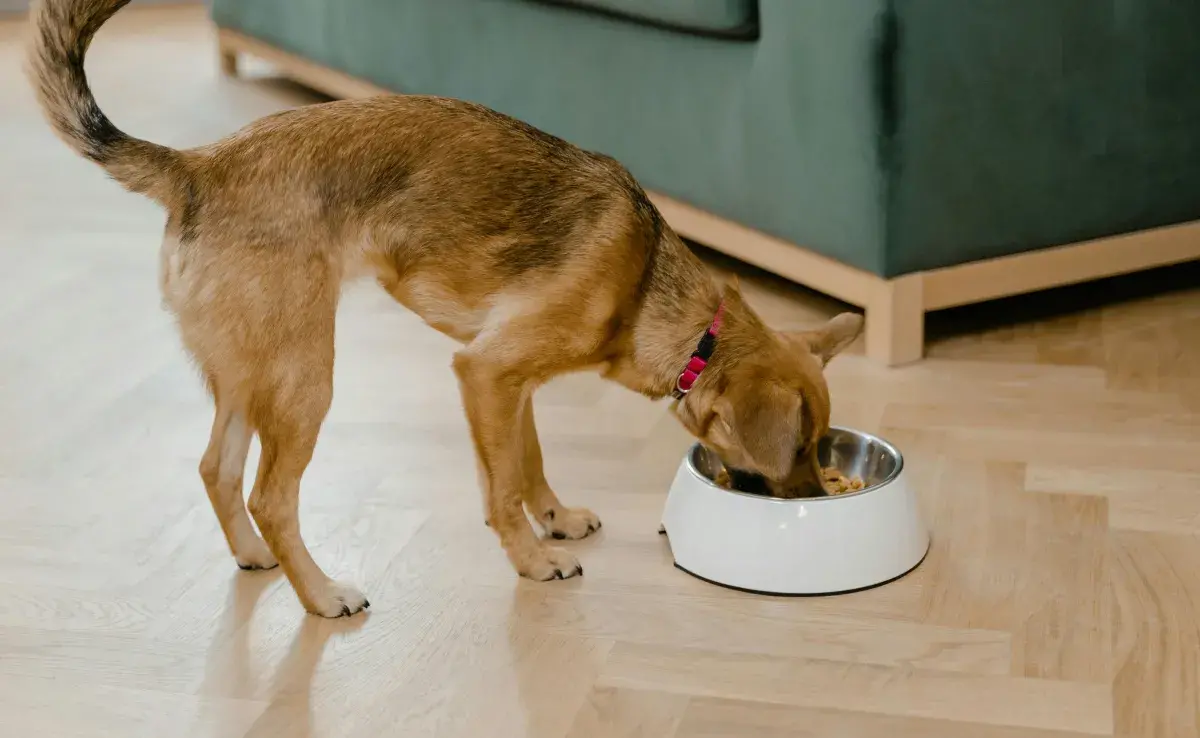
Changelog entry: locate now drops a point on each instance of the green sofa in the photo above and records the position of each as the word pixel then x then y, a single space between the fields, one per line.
pixel 851 145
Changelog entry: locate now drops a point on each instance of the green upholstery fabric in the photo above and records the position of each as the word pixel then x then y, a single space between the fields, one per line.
pixel 778 133
pixel 891 135
pixel 1030 123
pixel 737 17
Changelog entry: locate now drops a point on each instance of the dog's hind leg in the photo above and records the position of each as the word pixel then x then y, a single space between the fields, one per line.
pixel 222 469
pixel 288 408
pixel 559 521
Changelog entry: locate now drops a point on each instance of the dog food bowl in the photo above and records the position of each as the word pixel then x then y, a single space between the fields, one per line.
pixel 806 546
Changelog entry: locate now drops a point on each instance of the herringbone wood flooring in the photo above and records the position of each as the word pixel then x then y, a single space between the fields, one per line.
pixel 1058 462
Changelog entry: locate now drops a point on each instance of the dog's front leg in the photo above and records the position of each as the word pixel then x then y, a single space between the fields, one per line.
pixel 494 398
pixel 558 520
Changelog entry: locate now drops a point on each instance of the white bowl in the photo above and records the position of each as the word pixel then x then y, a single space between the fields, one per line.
pixel 807 546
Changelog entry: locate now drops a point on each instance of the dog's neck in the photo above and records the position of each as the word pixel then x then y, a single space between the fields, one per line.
pixel 679 303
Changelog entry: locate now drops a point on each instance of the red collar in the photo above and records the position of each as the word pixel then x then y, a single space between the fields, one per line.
pixel 700 357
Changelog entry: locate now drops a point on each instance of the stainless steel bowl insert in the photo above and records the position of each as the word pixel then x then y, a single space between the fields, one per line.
pixel 853 452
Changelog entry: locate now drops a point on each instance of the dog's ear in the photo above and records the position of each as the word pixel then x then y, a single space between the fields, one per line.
pixel 832 338
pixel 765 423
pixel 731 294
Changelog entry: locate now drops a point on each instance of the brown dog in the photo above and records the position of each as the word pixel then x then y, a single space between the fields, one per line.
pixel 539 257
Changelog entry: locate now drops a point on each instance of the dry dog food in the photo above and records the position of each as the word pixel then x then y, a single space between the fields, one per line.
pixel 837 483
pixel 833 481
pixel 723 480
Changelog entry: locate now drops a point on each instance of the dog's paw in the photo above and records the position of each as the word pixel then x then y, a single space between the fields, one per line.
pixel 337 600
pixel 570 523
pixel 255 556
pixel 547 562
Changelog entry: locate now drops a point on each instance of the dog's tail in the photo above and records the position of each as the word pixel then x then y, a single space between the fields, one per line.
pixel 61 33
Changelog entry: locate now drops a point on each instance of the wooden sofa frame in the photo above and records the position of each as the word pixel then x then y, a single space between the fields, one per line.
pixel 895 308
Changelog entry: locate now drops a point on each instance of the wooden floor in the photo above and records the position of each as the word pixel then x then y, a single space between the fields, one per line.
pixel 1058 462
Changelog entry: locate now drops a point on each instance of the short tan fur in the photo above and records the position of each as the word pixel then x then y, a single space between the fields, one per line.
pixel 538 257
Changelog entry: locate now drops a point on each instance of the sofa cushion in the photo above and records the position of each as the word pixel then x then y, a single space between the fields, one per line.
pixel 725 18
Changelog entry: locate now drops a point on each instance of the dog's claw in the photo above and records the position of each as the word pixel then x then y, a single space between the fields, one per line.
pixel 579 570
pixel 558 574
pixel 366 604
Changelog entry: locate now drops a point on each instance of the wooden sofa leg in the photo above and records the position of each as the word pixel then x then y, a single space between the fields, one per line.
pixel 228 60
pixel 896 322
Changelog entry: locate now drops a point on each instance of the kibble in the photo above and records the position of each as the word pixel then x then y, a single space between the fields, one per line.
pixel 837 483
pixel 723 480
pixel 833 482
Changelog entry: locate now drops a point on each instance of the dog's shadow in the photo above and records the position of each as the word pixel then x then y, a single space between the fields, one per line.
pixel 234 671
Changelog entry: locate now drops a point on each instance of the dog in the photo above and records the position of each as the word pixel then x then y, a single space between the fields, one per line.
pixel 538 257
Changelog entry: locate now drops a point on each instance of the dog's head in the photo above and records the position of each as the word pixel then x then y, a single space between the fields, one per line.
pixel 767 405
